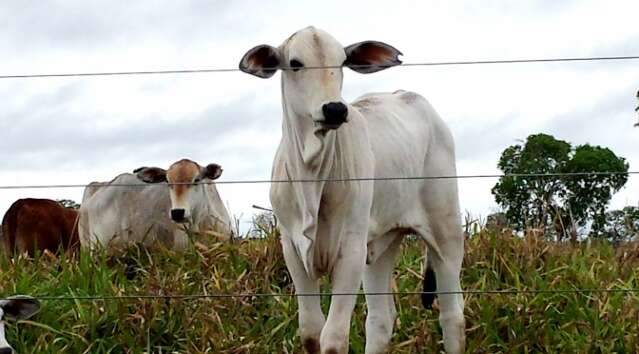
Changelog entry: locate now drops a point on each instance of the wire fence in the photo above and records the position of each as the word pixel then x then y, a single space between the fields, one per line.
pixel 330 180
pixel 416 64
pixel 191 297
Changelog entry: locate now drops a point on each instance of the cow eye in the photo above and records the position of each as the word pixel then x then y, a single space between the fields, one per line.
pixel 296 65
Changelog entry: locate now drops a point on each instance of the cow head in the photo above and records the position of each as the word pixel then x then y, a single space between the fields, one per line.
pixel 312 93
pixel 184 177
pixel 15 308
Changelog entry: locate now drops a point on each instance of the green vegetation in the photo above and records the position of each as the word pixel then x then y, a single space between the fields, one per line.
pixel 558 205
pixel 534 323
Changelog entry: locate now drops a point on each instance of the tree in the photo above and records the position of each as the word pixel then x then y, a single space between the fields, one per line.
pixel 588 195
pixel 68 203
pixel 554 203
pixel 622 225
pixel 496 222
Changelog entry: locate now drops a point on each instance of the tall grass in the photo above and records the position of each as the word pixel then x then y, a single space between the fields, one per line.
pixel 496 323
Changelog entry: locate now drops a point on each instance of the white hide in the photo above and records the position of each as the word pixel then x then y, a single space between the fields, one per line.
pixel 3 340
pixel 141 214
pixel 336 228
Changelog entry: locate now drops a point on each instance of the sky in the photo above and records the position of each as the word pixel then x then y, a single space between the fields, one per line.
pixel 79 130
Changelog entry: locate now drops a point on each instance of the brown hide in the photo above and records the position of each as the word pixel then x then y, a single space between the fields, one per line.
pixel 39 224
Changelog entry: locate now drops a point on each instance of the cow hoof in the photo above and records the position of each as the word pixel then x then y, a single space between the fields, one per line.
pixel 311 345
pixel 333 343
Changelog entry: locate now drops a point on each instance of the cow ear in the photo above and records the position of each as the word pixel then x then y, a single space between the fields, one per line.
pixel 371 56
pixel 20 307
pixel 261 61
pixel 212 171
pixel 150 174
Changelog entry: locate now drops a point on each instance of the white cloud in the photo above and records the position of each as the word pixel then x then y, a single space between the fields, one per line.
pixel 76 130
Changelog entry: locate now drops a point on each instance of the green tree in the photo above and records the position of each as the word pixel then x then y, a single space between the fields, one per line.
pixel 622 225
pixel 588 195
pixel 557 204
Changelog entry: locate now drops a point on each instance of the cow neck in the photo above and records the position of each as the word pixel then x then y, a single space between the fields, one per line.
pixel 210 217
pixel 307 156
pixel 201 210
pixel 310 155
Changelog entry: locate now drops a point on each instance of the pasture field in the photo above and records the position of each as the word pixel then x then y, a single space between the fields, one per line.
pixel 496 323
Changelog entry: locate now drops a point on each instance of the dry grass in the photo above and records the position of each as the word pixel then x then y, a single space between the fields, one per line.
pixel 568 322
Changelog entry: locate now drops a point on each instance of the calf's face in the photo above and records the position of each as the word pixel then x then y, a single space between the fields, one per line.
pixel 15 308
pixel 312 78
pixel 314 93
pixel 185 190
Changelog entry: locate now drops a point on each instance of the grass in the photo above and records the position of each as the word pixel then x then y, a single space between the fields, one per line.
pixel 496 323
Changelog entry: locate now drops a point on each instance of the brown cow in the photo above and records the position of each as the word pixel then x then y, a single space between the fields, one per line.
pixel 39 224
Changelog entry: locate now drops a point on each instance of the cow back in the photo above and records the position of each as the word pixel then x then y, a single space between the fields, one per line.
pixel 38 224
pixel 122 215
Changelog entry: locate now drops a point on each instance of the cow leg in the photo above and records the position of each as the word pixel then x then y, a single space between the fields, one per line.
pixel 25 244
pixel 310 316
pixel 447 268
pixel 346 279
pixel 381 308
pixel 451 306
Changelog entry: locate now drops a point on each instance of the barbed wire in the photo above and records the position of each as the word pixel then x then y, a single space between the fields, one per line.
pixel 328 180
pixel 189 297
pixel 226 70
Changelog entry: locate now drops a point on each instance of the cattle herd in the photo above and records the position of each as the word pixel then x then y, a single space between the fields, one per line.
pixel 149 206
pixel 340 224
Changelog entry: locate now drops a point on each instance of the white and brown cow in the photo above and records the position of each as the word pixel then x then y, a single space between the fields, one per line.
pixel 18 307
pixel 142 207
pixel 352 229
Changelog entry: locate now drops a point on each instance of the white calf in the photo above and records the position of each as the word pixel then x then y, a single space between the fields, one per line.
pixel 354 228
pixel 151 210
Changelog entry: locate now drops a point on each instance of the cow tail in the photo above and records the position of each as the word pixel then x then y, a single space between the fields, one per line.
pixel 10 226
pixel 430 286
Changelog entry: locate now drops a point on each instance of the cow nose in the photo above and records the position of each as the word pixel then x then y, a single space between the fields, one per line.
pixel 6 351
pixel 335 113
pixel 177 215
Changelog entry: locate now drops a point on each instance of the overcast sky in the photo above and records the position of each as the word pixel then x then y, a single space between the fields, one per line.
pixel 78 130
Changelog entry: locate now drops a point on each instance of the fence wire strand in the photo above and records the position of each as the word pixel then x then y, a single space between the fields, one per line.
pixel 227 70
pixel 327 180
pixel 187 297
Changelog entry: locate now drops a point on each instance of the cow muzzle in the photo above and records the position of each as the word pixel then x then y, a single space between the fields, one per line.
pixel 335 114
pixel 177 215
pixel 6 350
